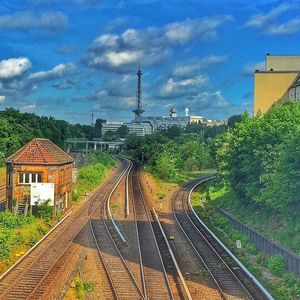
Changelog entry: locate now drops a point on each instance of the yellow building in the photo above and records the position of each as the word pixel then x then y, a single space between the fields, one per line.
pixel 278 82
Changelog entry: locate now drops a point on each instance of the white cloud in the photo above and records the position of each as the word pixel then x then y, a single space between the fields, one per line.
pixel 249 68
pixel 150 46
pixel 57 71
pixel 28 107
pixel 289 27
pixel 260 21
pixel 13 67
pixel 186 87
pixel 2 99
pixel 192 67
pixel 28 20
pixel 267 23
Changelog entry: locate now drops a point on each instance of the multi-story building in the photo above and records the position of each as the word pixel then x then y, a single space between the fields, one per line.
pixel 280 81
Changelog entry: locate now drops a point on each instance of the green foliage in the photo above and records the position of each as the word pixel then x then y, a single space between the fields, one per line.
pixel 45 211
pixel 19 128
pixel 276 265
pixel 259 158
pixel 170 150
pixel 91 175
pixel 83 287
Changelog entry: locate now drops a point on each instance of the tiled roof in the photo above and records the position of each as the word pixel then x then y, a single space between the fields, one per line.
pixel 40 151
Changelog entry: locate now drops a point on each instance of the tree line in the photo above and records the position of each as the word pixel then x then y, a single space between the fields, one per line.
pixel 16 129
pixel 259 159
pixel 169 151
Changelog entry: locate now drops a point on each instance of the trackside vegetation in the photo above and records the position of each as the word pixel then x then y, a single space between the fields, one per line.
pixel 92 174
pixel 19 233
pixel 171 153
pixel 258 168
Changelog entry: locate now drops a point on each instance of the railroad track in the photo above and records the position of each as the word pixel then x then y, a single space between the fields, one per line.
pixel 230 280
pixel 156 283
pixel 28 277
pixel 122 279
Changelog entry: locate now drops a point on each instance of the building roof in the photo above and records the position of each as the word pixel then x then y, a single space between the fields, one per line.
pixel 40 152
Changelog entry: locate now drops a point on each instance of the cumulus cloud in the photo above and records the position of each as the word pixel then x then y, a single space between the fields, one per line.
pixel 64 85
pixel 150 46
pixel 57 71
pixel 190 68
pixel 2 99
pixel 13 67
pixel 186 87
pixel 249 68
pixel 267 23
pixel 289 27
pixel 27 20
pixel 260 21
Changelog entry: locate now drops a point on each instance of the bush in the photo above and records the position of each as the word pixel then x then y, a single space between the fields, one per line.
pixel 45 211
pixel 276 265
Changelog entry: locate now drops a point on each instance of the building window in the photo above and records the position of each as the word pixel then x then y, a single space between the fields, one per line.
pixel 27 178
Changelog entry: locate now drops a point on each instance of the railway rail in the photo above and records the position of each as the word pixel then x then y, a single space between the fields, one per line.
pixel 156 283
pixel 122 279
pixel 26 280
pixel 231 281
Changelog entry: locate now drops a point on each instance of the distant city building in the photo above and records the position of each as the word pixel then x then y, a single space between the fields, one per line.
pixel 111 126
pixel 280 81
pixel 173 112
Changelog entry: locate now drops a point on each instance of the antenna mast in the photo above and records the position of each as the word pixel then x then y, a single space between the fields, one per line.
pixel 139 111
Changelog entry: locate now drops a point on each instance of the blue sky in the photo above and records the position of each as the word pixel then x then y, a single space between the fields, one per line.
pixel 69 60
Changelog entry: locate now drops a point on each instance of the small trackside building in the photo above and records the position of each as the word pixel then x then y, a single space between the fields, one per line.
pixel 43 169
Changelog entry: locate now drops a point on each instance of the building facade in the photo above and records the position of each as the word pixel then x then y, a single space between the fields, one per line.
pixel 43 169
pixel 278 82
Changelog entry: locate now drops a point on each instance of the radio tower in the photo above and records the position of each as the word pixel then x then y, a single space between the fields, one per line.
pixel 139 111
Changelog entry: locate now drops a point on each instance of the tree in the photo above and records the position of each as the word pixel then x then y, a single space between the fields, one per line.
pixel 122 131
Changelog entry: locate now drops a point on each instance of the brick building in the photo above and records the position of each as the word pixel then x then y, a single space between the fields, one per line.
pixel 43 169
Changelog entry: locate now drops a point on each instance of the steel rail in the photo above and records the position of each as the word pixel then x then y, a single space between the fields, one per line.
pixel 160 257
pixel 248 273
pixel 40 255
pixel 216 280
pixel 138 238
pixel 185 287
pixel 105 210
pixel 71 241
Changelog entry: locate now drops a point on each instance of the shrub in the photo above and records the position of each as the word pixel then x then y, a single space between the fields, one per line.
pixel 276 265
pixel 45 211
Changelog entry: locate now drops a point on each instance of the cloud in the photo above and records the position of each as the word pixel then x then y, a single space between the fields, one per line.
pixel 13 67
pixel 289 27
pixel 2 99
pixel 193 67
pixel 28 20
pixel 249 68
pixel 186 87
pixel 267 23
pixel 260 21
pixel 28 107
pixel 64 85
pixel 150 46
pixel 58 71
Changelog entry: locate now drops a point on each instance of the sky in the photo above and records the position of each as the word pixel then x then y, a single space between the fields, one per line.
pixel 81 57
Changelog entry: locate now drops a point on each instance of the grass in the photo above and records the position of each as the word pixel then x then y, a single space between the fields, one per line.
pixel 283 285
pixel 92 174
pixel 17 235
pixel 282 228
